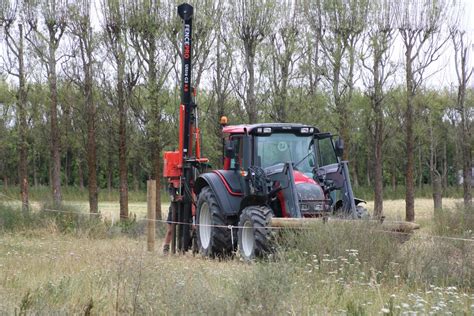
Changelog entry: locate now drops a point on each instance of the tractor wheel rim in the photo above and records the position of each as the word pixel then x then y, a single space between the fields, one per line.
pixel 248 239
pixel 205 228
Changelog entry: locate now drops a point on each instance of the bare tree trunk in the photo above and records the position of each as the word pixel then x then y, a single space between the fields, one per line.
pixel 123 169
pixel 394 178
pixel 437 192
pixel 80 174
pixel 435 175
pixel 158 175
pixel 109 168
pixel 35 172
pixel 445 166
pixel 251 105
pixel 22 99
pixel 55 155
pixel 378 162
pixel 91 141
pixel 409 143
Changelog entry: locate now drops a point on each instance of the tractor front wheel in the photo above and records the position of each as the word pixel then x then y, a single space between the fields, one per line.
pixel 254 234
pixel 213 236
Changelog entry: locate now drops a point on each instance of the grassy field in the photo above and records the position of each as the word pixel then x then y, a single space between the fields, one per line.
pixel 65 263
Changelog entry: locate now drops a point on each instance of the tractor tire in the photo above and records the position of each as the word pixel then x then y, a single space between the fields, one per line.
pixel 213 237
pixel 254 234
pixel 361 212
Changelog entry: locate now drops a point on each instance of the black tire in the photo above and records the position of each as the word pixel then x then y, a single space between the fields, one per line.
pixel 212 241
pixel 254 234
pixel 361 212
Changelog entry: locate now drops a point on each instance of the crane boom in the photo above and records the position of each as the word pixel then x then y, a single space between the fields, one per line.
pixel 181 167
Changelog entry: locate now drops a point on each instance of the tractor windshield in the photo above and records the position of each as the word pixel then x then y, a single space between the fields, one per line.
pixel 284 147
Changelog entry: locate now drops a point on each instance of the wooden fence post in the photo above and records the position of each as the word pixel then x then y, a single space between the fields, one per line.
pixel 151 207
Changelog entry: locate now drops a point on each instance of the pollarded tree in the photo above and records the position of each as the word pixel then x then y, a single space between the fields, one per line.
pixel 285 53
pixel 116 42
pixel 380 37
pixel 45 36
pixel 12 21
pixel 83 76
pixel 155 54
pixel 252 23
pixel 341 24
pixel 419 24
pixel 461 46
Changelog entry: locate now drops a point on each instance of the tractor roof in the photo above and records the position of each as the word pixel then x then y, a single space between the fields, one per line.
pixel 240 129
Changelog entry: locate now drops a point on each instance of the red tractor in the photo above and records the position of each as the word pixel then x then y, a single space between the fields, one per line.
pixel 271 171
pixel 274 170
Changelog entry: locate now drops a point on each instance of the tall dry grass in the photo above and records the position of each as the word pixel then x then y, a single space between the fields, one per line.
pixel 331 269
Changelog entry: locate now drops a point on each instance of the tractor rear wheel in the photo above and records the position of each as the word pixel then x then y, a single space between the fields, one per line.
pixel 361 212
pixel 254 234
pixel 213 237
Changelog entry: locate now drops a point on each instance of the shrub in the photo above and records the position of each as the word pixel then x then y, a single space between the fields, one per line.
pixel 456 222
pixel 12 219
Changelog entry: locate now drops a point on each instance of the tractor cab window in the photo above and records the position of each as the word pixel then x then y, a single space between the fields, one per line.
pixel 285 147
pixel 326 154
pixel 237 159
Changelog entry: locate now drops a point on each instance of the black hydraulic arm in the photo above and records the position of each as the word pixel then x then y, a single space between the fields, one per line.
pixel 185 11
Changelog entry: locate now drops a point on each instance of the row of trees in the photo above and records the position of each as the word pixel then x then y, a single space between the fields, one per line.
pixel 92 98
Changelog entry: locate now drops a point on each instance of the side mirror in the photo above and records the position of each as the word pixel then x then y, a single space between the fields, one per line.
pixel 229 149
pixel 339 147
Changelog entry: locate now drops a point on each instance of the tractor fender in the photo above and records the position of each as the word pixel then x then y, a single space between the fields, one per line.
pixel 228 203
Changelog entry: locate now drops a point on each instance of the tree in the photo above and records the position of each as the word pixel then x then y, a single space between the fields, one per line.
pixel 11 17
pixel 45 43
pixel 461 46
pixel 284 47
pixel 115 31
pixel 340 24
pixel 81 29
pixel 419 25
pixel 252 24
pixel 221 92
pixel 156 59
pixel 380 38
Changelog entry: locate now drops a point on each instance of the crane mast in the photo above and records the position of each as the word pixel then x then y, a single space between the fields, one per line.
pixel 181 167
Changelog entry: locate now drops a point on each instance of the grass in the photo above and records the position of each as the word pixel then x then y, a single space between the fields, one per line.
pixel 57 273
pixel 72 263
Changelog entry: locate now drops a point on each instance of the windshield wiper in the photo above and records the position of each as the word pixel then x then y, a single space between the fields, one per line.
pixel 304 158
